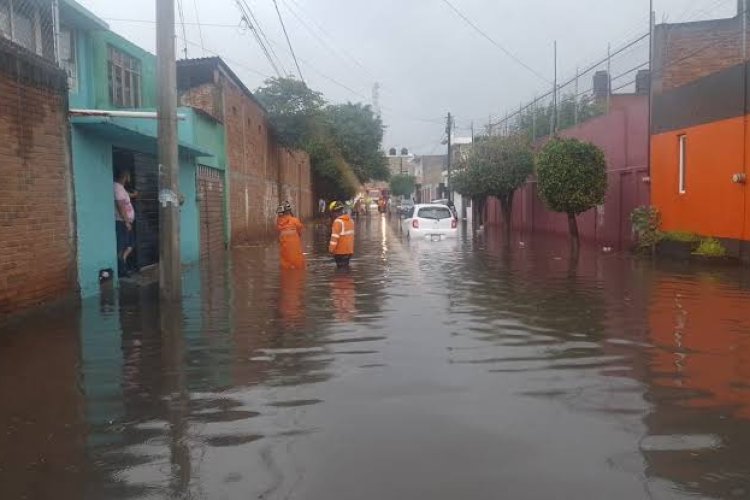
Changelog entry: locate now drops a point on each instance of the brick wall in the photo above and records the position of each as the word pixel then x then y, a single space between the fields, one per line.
pixel 689 51
pixel 261 173
pixel 37 249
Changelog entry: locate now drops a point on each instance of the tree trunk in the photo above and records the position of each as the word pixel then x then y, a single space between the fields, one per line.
pixel 506 203
pixel 574 238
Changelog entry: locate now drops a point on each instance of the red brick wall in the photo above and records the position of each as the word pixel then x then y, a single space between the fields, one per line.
pixel 687 52
pixel 261 173
pixel 37 249
pixel 206 98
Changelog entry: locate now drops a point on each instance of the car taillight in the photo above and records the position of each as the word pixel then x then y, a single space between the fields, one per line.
pixel 454 223
pixel 415 224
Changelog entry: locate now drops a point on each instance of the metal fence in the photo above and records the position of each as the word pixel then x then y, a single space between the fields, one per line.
pixel 585 94
pixel 32 24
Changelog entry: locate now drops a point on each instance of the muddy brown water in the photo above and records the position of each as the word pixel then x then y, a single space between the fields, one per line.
pixel 430 370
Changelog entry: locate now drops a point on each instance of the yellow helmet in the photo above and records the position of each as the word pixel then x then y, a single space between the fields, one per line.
pixel 335 206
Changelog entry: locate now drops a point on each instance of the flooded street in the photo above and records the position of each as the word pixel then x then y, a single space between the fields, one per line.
pixel 431 370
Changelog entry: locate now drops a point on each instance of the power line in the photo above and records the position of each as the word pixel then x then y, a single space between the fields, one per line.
pixel 181 12
pixel 246 16
pixel 198 21
pixel 259 29
pixel 343 54
pixel 288 42
pixel 493 42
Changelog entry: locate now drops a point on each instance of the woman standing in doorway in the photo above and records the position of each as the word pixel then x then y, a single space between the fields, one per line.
pixel 124 220
pixel 290 238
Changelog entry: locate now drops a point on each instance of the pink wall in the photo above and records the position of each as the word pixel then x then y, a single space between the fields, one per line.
pixel 623 135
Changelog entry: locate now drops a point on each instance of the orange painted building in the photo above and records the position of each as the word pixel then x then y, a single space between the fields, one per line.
pixel 700 133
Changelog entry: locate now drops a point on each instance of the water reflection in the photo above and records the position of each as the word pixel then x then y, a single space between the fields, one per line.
pixel 454 369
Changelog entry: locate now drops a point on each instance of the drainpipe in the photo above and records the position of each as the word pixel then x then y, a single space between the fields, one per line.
pixel 151 115
pixel 56 30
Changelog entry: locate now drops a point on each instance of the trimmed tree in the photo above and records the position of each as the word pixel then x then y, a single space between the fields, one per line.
pixel 499 166
pixel 468 183
pixel 572 177
pixel 403 184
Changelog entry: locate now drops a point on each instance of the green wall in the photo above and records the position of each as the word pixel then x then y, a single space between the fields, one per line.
pixel 92 169
pixel 95 209
pixel 100 41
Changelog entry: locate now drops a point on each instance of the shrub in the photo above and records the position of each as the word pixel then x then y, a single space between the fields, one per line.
pixel 682 236
pixel 646 224
pixel 711 247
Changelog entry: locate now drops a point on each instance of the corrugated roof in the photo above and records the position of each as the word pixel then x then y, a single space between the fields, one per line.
pixel 217 62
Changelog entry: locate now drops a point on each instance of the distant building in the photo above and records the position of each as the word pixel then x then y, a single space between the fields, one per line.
pixel 432 185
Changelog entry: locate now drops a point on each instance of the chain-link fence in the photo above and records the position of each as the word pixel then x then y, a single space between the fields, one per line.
pixel 33 25
pixel 585 95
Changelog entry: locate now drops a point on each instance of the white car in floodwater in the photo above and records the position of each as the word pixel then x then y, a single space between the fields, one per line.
pixel 431 221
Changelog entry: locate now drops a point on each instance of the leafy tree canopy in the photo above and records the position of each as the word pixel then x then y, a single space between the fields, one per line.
pixel 572 175
pixel 343 140
pixel 403 185
pixel 295 110
pixel 496 166
pixel 289 96
pixel 358 132
pixel 501 164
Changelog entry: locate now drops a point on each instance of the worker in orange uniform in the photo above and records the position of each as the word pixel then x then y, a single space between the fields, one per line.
pixel 342 235
pixel 290 238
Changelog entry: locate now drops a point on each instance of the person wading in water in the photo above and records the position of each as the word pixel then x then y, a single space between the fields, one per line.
pixel 290 238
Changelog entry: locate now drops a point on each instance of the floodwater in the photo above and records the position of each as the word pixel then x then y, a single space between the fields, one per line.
pixel 450 370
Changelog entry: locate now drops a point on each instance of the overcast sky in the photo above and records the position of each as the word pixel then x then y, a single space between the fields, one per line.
pixel 427 60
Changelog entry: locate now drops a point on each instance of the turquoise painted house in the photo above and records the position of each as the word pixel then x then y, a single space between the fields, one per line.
pixel 109 74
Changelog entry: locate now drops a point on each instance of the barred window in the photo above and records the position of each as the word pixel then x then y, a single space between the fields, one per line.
pixel 68 59
pixel 124 79
pixel 20 22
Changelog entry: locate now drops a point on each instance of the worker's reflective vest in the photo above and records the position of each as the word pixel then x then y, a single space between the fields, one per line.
pixel 342 236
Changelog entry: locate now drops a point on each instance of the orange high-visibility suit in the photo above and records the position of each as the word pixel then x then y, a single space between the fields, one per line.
pixel 342 237
pixel 290 240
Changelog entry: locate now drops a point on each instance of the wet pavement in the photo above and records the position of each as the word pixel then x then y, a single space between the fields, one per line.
pixel 431 370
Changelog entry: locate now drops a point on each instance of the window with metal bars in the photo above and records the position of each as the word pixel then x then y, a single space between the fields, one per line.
pixel 124 79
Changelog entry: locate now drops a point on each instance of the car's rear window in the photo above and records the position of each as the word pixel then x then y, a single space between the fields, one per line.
pixel 437 213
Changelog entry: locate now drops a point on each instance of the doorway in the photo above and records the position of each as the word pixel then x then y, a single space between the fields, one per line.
pixel 145 181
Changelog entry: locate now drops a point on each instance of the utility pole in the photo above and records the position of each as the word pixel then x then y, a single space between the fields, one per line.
pixel 449 131
pixel 554 97
pixel 651 24
pixel 170 272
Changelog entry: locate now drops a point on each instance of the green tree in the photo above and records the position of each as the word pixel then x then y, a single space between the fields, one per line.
pixel 403 185
pixel 294 110
pixel 572 178
pixel 343 141
pixel 469 183
pixel 358 132
pixel 497 167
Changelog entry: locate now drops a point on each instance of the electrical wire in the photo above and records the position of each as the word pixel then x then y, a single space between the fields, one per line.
pixel 288 41
pixel 234 62
pixel 181 14
pixel 337 49
pixel 262 32
pixel 246 17
pixel 494 42
pixel 200 28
